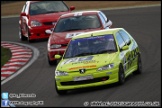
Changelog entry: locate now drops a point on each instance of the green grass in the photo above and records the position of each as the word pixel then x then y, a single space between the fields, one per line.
pixel 5 55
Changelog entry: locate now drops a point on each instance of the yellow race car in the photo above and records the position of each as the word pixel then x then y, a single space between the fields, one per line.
pixel 97 58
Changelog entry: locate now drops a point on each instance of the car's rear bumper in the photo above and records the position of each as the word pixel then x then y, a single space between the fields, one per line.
pixel 63 82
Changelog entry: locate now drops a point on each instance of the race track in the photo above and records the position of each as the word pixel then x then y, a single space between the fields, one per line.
pixel 145 26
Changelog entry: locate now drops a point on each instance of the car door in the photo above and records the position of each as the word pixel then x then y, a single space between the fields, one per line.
pixel 132 46
pixel 124 54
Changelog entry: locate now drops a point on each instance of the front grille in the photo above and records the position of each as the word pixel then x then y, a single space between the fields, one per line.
pixel 47 23
pixel 63 44
pixel 85 81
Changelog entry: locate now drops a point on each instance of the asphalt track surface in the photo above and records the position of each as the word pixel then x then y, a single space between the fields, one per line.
pixel 145 26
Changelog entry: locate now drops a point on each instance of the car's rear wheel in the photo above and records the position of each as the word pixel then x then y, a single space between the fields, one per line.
pixel 21 36
pixel 60 92
pixel 54 62
pixel 139 64
pixel 121 75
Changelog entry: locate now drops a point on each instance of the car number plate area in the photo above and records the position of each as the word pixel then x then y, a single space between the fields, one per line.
pixel 81 78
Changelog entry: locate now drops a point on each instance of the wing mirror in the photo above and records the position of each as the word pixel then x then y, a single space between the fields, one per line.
pixel 125 47
pixel 23 14
pixel 72 8
pixel 109 24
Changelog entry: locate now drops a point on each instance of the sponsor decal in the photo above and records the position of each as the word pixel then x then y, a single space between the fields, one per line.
pixel 86 62
pixel 78 59
pixel 78 14
pixel 80 67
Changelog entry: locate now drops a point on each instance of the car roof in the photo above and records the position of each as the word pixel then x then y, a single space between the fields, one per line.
pixel 79 13
pixel 97 33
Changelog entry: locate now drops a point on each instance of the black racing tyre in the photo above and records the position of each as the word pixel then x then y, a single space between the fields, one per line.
pixel 52 62
pixel 28 35
pixel 121 75
pixel 139 64
pixel 60 92
pixel 21 36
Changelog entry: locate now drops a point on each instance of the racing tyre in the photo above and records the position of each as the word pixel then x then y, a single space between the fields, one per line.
pixel 60 92
pixel 52 62
pixel 121 75
pixel 28 34
pixel 21 36
pixel 139 64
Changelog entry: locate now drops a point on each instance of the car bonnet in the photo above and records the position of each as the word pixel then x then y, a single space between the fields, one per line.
pixel 86 62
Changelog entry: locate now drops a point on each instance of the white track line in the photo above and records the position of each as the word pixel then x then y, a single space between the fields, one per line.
pixel 10 67
pixel 18 50
pixel 15 63
pixel 23 56
pixel 15 53
pixel 2 78
pixel 7 72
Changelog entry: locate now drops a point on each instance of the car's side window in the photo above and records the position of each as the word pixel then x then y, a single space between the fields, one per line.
pixel 120 40
pixel 125 36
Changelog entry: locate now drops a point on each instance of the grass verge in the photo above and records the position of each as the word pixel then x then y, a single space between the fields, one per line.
pixel 5 55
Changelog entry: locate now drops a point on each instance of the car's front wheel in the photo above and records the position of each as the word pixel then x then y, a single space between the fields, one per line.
pixel 21 36
pixel 121 75
pixel 28 34
pixel 60 92
pixel 54 62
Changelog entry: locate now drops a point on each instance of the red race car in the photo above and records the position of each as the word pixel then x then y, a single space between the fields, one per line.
pixel 71 24
pixel 37 16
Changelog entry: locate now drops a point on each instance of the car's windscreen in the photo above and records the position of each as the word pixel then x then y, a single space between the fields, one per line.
pixel 77 23
pixel 44 7
pixel 91 46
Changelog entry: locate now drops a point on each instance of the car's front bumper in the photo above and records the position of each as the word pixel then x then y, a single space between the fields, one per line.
pixel 39 32
pixel 53 52
pixel 99 78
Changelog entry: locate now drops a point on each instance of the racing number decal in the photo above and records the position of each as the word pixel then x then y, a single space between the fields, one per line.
pixel 78 14
pixel 125 63
pixel 70 35
pixel 129 60
pixel 131 57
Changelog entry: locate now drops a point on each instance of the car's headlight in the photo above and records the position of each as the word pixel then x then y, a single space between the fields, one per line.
pixel 106 67
pixel 61 73
pixel 35 23
pixel 55 46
